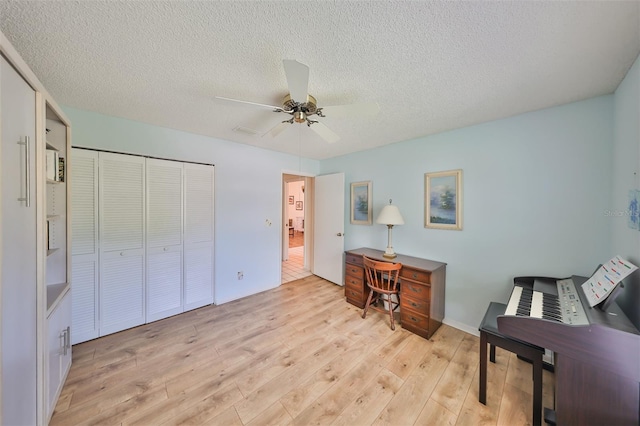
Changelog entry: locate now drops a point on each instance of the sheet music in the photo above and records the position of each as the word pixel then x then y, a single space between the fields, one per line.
pixel 606 278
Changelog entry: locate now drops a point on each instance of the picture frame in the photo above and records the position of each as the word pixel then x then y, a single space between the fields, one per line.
pixel 291 199
pixel 361 211
pixel 443 200
pixel 298 205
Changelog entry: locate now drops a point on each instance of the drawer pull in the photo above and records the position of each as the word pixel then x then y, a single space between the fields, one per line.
pixel 414 319
pixel 415 276
pixel 416 290
pixel 414 304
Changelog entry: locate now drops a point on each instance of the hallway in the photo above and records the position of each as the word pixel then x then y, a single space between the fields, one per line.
pixel 293 268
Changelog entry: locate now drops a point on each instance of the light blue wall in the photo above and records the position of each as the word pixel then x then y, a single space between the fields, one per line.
pixel 248 191
pixel 535 188
pixel 626 177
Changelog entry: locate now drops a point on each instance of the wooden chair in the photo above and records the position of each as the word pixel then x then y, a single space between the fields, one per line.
pixel 489 334
pixel 382 279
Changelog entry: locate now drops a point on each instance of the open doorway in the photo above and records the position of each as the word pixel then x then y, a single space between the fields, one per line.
pixel 295 239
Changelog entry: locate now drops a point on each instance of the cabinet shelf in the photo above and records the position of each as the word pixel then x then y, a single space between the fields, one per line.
pixel 53 216
pixel 54 181
pixel 51 147
pixel 54 295
pixel 51 251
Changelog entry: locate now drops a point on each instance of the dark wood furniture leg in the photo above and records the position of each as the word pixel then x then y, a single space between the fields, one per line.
pixel 489 335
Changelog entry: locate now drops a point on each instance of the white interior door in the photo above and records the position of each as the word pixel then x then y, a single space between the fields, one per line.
pixel 84 247
pixel 122 245
pixel 198 235
pixel 328 231
pixel 164 239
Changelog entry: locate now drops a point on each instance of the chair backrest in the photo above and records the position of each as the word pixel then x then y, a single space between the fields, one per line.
pixel 382 276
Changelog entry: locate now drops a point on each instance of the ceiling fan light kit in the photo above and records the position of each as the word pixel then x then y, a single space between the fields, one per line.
pixel 298 81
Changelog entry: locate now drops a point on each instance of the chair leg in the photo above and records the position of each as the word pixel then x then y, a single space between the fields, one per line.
pixel 390 304
pixel 482 392
pixel 366 306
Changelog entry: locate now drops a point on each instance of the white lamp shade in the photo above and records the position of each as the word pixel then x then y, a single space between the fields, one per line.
pixel 390 215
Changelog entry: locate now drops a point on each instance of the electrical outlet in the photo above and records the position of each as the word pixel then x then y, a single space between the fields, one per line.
pixel 240 275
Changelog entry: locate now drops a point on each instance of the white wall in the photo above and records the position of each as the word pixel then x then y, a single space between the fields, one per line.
pixel 534 190
pixel 248 192
pixel 626 176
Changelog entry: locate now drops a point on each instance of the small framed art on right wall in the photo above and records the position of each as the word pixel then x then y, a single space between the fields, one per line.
pixel 443 200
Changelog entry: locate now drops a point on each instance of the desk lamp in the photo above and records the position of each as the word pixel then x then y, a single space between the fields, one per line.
pixel 390 215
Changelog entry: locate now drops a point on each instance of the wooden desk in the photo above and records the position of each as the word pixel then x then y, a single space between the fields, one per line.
pixel 422 284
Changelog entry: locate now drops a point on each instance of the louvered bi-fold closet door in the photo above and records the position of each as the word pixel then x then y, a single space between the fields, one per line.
pixel 122 248
pixel 164 238
pixel 198 235
pixel 84 254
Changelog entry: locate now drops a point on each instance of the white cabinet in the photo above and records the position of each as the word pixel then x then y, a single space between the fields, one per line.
pixel 122 246
pixel 198 236
pixel 58 348
pixel 35 238
pixel 164 239
pixel 18 263
pixel 142 240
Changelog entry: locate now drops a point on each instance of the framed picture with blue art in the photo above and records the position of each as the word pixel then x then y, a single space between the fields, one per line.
pixel 443 200
pixel 361 211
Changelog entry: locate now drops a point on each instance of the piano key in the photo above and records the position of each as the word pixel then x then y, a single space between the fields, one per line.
pixel 513 301
pixel 536 305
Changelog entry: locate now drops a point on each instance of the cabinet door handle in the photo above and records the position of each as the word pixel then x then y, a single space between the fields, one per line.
pixel 68 335
pixel 27 172
pixel 63 343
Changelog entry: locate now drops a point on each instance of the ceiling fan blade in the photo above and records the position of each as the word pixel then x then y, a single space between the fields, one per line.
pixel 365 109
pixel 237 101
pixel 278 128
pixel 324 132
pixel 297 79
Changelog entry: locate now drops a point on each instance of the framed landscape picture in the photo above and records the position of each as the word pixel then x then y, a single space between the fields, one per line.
pixel 443 200
pixel 298 205
pixel 290 199
pixel 361 204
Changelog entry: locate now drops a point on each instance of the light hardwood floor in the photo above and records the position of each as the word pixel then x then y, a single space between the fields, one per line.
pixel 298 354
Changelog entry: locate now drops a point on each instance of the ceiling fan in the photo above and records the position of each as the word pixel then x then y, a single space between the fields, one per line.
pixel 301 106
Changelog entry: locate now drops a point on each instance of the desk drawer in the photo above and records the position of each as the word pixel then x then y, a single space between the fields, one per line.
pixel 354 271
pixel 354 258
pixel 414 304
pixel 356 294
pixel 415 274
pixel 355 282
pixel 352 293
pixel 419 324
pixel 415 290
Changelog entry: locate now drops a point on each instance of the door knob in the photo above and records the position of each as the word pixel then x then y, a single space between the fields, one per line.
pixel 339 234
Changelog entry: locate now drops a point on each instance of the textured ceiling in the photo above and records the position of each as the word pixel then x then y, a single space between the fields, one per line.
pixel 431 66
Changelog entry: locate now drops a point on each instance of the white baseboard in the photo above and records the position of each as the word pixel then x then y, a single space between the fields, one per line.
pixel 461 326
